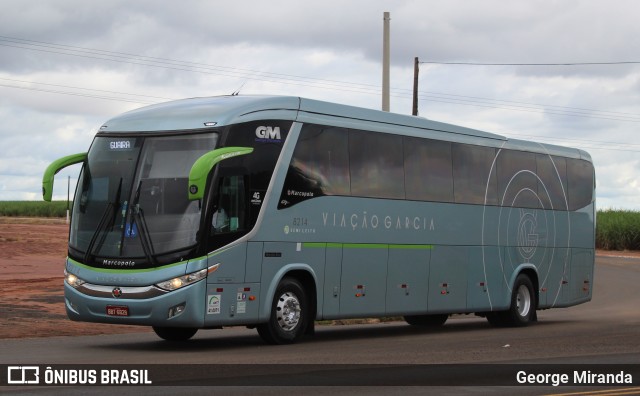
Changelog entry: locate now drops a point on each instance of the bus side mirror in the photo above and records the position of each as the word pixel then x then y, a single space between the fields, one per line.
pixel 203 165
pixel 55 167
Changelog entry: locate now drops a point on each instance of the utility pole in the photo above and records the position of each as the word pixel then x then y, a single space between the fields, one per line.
pixel 416 70
pixel 385 62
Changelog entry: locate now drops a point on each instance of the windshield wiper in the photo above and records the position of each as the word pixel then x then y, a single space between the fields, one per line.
pixel 103 225
pixel 138 217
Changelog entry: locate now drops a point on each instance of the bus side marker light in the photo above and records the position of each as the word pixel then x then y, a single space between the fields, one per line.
pixel 252 298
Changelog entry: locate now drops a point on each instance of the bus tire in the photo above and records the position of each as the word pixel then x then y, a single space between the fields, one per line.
pixel 496 319
pixel 175 333
pixel 289 311
pixel 427 320
pixel 523 306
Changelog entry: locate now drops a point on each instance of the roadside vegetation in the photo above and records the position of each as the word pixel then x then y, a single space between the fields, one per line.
pixel 33 209
pixel 618 230
pixel 615 229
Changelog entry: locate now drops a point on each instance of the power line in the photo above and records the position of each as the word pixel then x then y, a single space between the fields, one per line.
pixel 86 95
pixel 536 105
pixel 632 118
pixel 586 144
pixel 519 106
pixel 168 60
pixel 173 64
pixel 582 143
pixel 85 89
pixel 303 81
pixel 164 62
pixel 533 64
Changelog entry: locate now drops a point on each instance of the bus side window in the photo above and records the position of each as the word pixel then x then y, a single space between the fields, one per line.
pixel 428 170
pixel 552 186
pixel 580 177
pixel 471 165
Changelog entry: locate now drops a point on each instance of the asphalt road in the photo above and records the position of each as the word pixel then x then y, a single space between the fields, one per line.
pixel 603 331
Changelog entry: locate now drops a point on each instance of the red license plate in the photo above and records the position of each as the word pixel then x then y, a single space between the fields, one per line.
pixel 120 310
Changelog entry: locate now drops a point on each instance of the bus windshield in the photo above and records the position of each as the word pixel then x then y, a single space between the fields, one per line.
pixel 131 208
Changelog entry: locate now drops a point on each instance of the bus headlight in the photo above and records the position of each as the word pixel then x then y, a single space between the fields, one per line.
pixel 72 280
pixel 182 281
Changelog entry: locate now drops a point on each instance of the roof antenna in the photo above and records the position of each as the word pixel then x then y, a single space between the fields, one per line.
pixel 236 92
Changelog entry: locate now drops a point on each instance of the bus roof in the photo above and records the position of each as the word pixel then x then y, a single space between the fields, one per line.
pixel 193 113
pixel 217 111
pixel 224 110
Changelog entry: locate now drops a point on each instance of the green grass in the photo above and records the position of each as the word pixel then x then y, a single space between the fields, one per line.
pixel 618 230
pixel 33 208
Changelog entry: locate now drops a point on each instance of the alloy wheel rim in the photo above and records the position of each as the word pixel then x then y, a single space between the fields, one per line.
pixel 288 311
pixel 523 301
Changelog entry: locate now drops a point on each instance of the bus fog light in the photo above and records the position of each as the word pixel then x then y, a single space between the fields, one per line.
pixel 71 306
pixel 176 310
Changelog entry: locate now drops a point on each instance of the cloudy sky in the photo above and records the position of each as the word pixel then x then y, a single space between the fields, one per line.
pixel 66 66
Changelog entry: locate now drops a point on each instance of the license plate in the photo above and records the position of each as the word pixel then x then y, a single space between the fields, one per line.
pixel 117 310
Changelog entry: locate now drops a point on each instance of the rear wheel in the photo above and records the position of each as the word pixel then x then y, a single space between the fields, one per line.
pixel 289 314
pixel 523 305
pixel 427 320
pixel 175 333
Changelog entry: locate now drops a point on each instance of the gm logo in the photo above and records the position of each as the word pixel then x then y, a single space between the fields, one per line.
pixel 268 134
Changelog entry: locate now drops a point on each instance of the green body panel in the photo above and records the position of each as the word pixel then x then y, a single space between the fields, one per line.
pixel 203 165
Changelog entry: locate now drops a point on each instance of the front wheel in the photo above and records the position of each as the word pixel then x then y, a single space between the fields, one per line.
pixel 289 314
pixel 175 333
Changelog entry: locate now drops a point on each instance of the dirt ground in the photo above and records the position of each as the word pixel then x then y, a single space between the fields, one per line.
pixel 32 254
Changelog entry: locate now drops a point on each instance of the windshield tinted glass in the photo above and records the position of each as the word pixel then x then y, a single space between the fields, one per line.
pixel 131 208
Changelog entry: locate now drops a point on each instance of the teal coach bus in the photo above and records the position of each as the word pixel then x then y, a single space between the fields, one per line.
pixel 273 212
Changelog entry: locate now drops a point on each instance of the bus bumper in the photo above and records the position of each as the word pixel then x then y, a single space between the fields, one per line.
pixel 184 307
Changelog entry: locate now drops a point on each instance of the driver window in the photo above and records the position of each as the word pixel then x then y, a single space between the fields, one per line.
pixel 229 209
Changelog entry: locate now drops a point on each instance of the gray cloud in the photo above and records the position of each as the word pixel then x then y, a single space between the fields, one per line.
pixel 266 47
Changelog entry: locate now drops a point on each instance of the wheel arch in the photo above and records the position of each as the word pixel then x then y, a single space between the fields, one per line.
pixel 304 274
pixel 531 272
